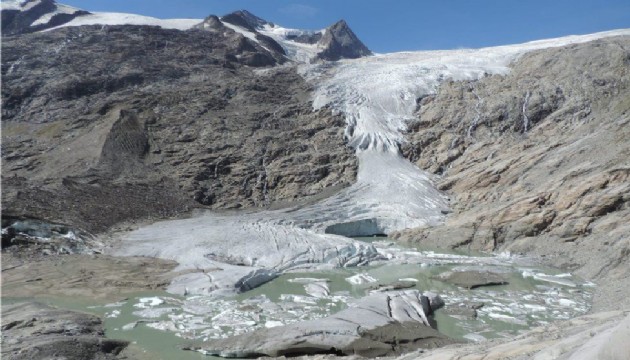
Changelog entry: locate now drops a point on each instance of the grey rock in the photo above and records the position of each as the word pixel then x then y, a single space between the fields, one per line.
pixel 340 42
pixel 396 285
pixel 472 279
pixel 377 325
pixel 36 331
pixel 535 161
pixel 244 19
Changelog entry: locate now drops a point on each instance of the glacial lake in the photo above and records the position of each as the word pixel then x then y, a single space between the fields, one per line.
pixel 161 324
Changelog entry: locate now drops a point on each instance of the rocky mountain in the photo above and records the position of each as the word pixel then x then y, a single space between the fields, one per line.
pixel 112 121
pixel 156 118
pixel 136 118
pixel 339 42
pixel 336 42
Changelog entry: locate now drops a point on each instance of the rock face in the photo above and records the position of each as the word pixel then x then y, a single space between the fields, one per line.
pixel 335 42
pixel 261 50
pixel 35 331
pixel 116 123
pixel 377 325
pixel 245 19
pixel 339 42
pixel 596 336
pixel 535 161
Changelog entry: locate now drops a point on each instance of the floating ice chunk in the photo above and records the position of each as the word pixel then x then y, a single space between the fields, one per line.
pixel 566 302
pixel 534 307
pixel 556 279
pixel 164 326
pixel 113 314
pixel 307 280
pixel 298 299
pixel 130 326
pixel 153 312
pixel 359 279
pixel 116 304
pixel 273 323
pixel 317 289
pixel 149 302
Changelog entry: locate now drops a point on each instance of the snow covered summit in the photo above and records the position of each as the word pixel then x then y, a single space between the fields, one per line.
pixel 336 42
pixel 333 43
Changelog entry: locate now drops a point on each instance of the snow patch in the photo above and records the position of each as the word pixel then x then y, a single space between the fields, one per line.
pixel 110 18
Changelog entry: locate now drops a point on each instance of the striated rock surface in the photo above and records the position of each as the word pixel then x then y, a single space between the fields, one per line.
pixel 377 325
pixel 536 161
pixel 595 336
pixel 35 331
pixel 103 125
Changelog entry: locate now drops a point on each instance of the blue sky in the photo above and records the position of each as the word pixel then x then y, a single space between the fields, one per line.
pixel 397 25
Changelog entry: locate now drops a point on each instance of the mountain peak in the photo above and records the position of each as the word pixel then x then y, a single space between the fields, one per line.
pixel 339 41
pixel 245 19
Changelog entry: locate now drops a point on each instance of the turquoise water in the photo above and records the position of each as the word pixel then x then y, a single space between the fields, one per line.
pixel 161 324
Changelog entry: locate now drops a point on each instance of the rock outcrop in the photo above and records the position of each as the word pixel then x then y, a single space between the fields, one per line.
pixel 535 161
pixel 596 336
pixel 103 125
pixel 377 325
pixel 36 331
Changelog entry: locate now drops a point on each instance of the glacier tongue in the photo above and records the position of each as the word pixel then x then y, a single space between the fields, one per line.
pixel 221 254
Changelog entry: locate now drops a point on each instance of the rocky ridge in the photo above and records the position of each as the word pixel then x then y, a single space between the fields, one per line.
pixel 333 43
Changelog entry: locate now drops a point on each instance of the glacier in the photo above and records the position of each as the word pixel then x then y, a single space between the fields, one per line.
pixel 222 254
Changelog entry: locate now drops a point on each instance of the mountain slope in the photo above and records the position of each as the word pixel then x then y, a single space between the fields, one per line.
pixel 167 124
pixel 536 161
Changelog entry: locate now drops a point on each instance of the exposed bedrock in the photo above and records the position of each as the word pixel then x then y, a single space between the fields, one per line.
pixel 377 325
pixel 105 125
pixel 536 161
pixel 35 331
